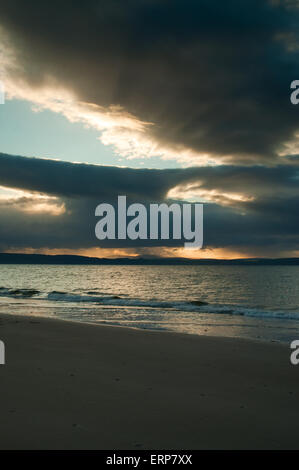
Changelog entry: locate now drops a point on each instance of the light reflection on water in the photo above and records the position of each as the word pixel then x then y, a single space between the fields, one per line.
pixel 248 301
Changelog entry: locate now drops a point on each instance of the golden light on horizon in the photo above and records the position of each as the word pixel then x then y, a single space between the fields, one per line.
pixel 157 252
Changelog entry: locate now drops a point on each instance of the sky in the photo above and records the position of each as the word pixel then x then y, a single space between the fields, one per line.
pixel 158 100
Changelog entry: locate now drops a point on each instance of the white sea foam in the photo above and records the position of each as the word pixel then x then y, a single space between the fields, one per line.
pixel 117 301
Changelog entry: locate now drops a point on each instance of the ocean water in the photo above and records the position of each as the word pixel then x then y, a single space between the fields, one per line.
pixel 237 301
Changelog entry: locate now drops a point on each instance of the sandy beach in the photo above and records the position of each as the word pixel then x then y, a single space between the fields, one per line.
pixel 67 385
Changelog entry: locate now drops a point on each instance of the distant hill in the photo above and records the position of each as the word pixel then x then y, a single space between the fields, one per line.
pixel 17 258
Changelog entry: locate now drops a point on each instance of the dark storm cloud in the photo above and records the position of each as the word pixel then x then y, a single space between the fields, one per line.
pixel 269 221
pixel 67 179
pixel 79 179
pixel 212 76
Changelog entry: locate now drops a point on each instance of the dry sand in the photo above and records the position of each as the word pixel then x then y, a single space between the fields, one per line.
pixel 75 386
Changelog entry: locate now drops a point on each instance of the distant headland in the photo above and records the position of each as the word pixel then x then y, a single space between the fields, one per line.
pixel 19 258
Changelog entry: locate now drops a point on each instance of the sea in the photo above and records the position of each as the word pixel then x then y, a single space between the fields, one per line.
pixel 256 302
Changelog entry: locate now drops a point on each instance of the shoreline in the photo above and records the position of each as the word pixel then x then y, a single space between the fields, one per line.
pixel 213 330
pixel 69 385
pixel 36 318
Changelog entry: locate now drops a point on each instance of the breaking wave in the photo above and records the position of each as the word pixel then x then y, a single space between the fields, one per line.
pixel 18 293
pixel 98 298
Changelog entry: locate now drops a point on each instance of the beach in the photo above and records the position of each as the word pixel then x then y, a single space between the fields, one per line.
pixel 68 385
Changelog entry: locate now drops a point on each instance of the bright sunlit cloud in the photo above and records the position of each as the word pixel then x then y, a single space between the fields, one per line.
pixel 31 203
pixel 194 193
pixel 128 136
